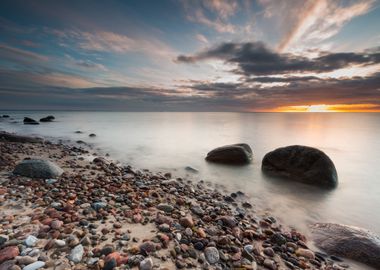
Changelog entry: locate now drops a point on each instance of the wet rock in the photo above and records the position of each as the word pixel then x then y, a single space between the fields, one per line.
pixel 270 264
pixel 76 254
pixel 30 121
pixel 350 242
pixel 301 163
pixel 8 253
pixel 146 264
pixel 278 239
pixel 196 209
pixel 231 154
pixel 306 253
pixel 191 169
pixel 49 118
pixel 18 138
pixel 34 266
pixel 92 135
pixel 38 168
pixel 212 254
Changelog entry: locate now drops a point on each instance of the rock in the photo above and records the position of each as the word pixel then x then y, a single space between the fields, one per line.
pixel 34 266
pixel 231 154
pixel 301 163
pixel 60 243
pixel 38 168
pixel 278 239
pixel 18 138
pixel 350 242
pixel 9 265
pixel 306 253
pixel 30 121
pixel 49 118
pixel 25 260
pixel 191 169
pixel 270 264
pixel 31 241
pixel 110 264
pixel 5 116
pixel 146 264
pixel 3 239
pixel 99 205
pixel 165 207
pixel 8 253
pixel 76 254
pixel 186 221
pixel 92 135
pixel 212 254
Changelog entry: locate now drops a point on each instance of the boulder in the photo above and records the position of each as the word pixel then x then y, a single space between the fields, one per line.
pixel 349 242
pixel 49 118
pixel 239 153
pixel 301 163
pixel 18 138
pixel 30 121
pixel 38 168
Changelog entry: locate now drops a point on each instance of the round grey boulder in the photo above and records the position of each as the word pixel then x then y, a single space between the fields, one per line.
pixel 37 168
pixel 349 242
pixel 301 163
pixel 240 153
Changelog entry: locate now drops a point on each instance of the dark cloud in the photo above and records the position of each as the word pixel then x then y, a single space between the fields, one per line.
pixel 254 58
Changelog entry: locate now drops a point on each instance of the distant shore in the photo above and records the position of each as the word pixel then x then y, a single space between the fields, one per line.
pixel 115 216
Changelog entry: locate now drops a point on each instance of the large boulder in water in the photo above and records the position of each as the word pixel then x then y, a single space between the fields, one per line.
pixel 239 153
pixel 349 242
pixel 49 118
pixel 38 168
pixel 301 163
pixel 30 121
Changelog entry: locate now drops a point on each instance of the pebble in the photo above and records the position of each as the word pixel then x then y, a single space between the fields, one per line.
pixel 211 254
pixel 31 241
pixel 76 254
pixel 165 207
pixel 34 266
pixel 146 264
pixel 307 253
pixel 8 253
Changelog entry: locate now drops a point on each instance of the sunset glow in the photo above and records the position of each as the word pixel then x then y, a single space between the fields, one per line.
pixel 331 108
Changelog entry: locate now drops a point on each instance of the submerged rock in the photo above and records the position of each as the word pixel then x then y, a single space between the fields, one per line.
pixel 18 138
pixel 301 163
pixel 30 121
pixel 92 135
pixel 231 154
pixel 38 168
pixel 49 118
pixel 350 242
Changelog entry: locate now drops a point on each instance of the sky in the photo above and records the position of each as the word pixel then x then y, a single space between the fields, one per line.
pixel 214 55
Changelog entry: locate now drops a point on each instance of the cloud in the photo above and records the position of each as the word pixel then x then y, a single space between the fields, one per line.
pixel 317 21
pixel 110 42
pixel 254 58
pixel 13 53
pixel 213 13
pixel 201 38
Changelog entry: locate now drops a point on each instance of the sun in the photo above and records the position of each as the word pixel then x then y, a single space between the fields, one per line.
pixel 318 108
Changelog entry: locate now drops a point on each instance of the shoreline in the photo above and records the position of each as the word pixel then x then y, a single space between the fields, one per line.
pixel 148 217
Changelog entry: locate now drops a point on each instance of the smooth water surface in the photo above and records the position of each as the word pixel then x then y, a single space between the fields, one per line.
pixel 172 141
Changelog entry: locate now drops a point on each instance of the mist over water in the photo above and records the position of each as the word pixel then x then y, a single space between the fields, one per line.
pixel 172 141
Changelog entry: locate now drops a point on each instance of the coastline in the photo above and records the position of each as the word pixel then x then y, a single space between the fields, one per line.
pixel 151 217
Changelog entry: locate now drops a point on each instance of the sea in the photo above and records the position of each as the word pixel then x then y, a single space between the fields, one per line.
pixel 174 141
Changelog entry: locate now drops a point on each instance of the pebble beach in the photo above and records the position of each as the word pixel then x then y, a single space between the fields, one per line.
pixel 101 214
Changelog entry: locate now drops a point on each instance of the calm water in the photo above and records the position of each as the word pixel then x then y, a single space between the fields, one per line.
pixel 171 141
